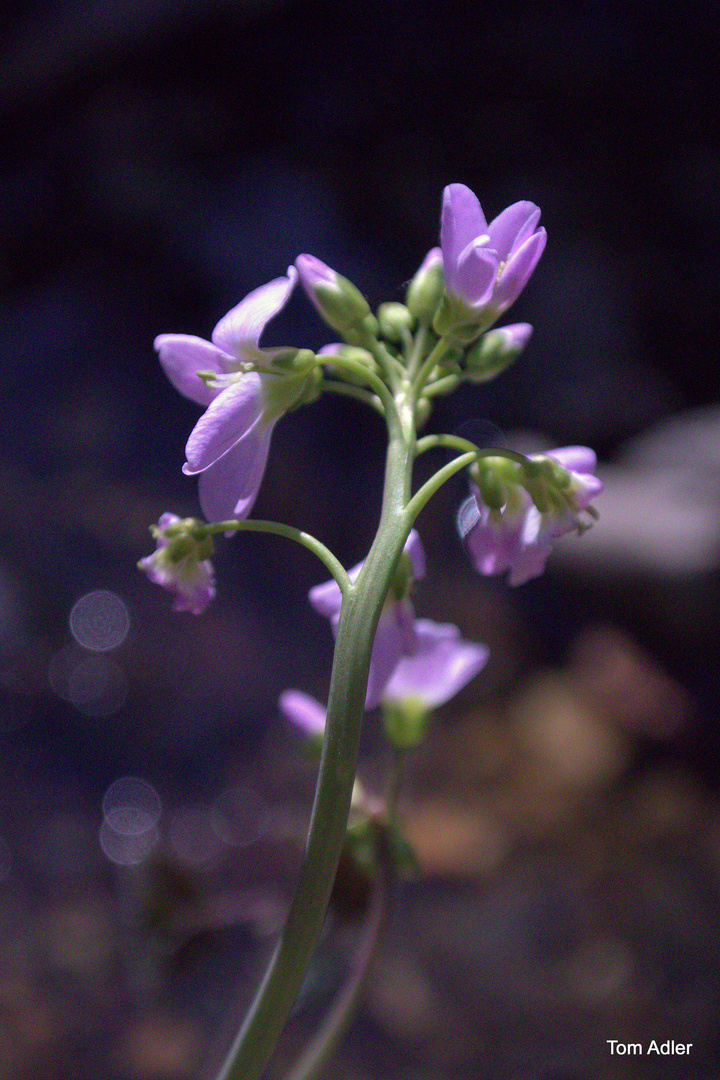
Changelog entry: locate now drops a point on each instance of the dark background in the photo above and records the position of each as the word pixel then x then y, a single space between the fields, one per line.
pixel 161 160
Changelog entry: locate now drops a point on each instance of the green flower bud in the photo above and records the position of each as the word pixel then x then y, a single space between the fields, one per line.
pixel 405 721
pixel 426 288
pixel 394 320
pixel 495 351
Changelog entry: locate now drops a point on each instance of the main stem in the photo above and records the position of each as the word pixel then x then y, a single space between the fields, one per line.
pixel 355 633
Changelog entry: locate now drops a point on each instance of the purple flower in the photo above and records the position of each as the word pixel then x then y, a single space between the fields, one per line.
pixel 440 667
pixel 177 564
pixel 395 635
pixel 229 445
pixel 518 536
pixel 442 664
pixel 486 266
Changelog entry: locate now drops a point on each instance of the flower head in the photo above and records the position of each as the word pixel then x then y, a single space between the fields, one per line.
pixel 229 445
pixel 180 565
pixel 486 266
pixel 509 523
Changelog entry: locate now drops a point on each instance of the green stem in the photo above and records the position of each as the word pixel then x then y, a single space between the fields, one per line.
pixel 335 567
pixel 323 1043
pixel 455 442
pixel 359 616
pixel 354 367
pixel 357 392
pixel 435 482
pixel 428 364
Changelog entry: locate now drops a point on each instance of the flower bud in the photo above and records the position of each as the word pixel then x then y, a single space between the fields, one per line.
pixel 426 288
pixel 394 319
pixel 496 350
pixel 341 305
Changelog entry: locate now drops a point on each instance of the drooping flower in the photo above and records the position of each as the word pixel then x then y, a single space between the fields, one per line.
pixel 544 503
pixel 179 564
pixel 441 665
pixel 486 266
pixel 229 445
pixel 395 634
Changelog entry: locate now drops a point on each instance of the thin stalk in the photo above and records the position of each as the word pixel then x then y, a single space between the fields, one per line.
pixel 333 1027
pixel 335 567
pixel 359 616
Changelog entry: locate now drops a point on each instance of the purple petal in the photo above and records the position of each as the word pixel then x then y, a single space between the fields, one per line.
pixel 518 270
pixel 314 272
pixel 228 418
pixel 239 331
pixel 182 356
pixel 512 227
pixel 476 273
pixel 388 648
pixel 304 711
pixel 462 221
pixel 229 487
pixel 442 665
pixel 414 548
pixel 579 459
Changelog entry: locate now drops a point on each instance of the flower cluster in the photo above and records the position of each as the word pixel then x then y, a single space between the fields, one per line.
pixel 516 511
pixel 416 664
pixel 180 563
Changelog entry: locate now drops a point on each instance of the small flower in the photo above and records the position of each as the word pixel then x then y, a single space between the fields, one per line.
pixel 179 565
pixel 440 667
pixel 395 634
pixel 486 266
pixel 515 532
pixel 229 445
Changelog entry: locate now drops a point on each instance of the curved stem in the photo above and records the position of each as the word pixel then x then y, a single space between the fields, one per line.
pixel 323 1043
pixel 456 442
pixel 435 482
pixel 348 390
pixel 343 363
pixel 290 533
pixel 428 364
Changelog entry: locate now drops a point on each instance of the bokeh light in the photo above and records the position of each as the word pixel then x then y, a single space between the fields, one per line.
pixel 100 620
pixel 131 806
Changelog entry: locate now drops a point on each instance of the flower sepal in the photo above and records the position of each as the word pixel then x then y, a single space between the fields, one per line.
pixel 405 721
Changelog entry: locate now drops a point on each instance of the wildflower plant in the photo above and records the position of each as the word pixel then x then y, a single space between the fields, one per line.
pixel 396 361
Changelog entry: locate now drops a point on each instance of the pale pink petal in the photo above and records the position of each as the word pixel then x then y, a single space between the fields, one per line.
pixel 303 711
pixel 462 221
pixel 442 665
pixel 229 487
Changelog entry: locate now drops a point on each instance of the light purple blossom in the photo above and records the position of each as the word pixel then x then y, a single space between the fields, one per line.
pixel 440 667
pixel 518 538
pixel 176 565
pixel 229 445
pixel 395 634
pixel 486 266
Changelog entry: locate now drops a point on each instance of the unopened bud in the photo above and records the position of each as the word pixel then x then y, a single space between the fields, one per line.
pixel 496 350
pixel 426 288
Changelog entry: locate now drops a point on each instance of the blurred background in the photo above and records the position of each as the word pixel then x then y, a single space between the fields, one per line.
pixel 161 160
